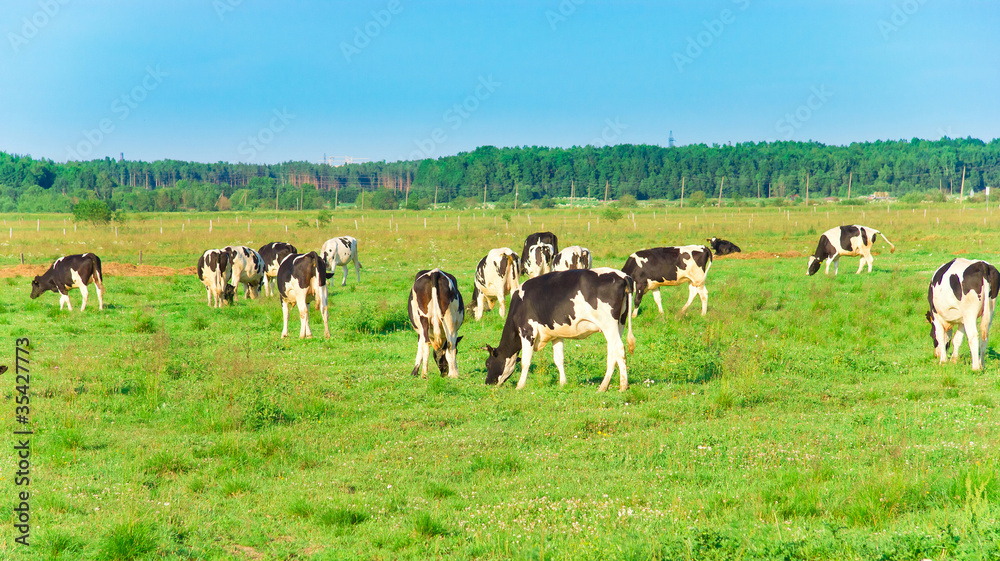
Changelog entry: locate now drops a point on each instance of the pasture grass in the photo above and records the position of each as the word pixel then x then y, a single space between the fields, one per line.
pixel 802 418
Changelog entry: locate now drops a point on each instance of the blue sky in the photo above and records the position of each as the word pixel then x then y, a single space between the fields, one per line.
pixel 265 82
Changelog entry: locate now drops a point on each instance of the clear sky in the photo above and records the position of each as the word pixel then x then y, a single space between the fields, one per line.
pixel 267 81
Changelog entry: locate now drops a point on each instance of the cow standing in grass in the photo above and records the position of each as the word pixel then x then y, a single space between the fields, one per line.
pixel 436 312
pixel 71 271
pixel 273 254
pixel 846 240
pixel 565 305
pixel 539 250
pixel 496 277
pixel 302 278
pixel 339 252
pixel 249 269
pixel 962 291
pixel 572 257
pixel 670 266
pixel 215 270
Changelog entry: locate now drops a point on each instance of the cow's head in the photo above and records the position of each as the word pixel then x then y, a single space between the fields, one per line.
pixel 814 265
pixel 498 369
pixel 36 288
pixel 229 293
pixel 440 356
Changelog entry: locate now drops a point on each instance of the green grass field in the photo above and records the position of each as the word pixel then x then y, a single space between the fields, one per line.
pixel 802 418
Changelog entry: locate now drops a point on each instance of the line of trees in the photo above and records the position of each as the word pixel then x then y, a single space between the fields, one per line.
pixel 781 169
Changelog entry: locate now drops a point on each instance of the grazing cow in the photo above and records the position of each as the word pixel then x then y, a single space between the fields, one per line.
pixel 302 278
pixel 565 305
pixel 496 277
pixel 249 269
pixel 215 269
pixel 961 291
pixel 436 313
pixel 846 240
pixel 71 271
pixel 572 257
pixel 723 247
pixel 539 249
pixel 341 251
pixel 272 254
pixel 670 266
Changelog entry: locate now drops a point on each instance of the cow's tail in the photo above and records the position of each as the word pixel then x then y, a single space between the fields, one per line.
pixel 629 295
pixel 434 315
pixel 98 273
pixel 991 287
pixel 892 248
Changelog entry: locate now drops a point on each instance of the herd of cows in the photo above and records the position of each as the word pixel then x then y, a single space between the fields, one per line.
pixel 563 297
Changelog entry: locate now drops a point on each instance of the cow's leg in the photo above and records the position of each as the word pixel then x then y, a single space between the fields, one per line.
pixel 345 276
pixel 557 357
pixel 480 305
pixel 658 298
pixel 451 355
pixel 324 311
pixel 956 341
pixel 100 295
pixel 526 351
pixel 503 304
pixel 284 315
pixel 209 293
pixel 972 332
pixel 637 300
pixel 421 348
pixel 692 292
pixel 304 331
pixel 357 268
pixel 85 293
pixel 64 300
pixel 861 264
pixel 616 356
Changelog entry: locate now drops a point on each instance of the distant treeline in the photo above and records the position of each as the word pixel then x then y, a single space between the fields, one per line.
pixel 778 169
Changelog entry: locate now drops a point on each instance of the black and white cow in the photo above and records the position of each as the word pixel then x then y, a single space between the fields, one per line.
pixel 539 249
pixel 572 257
pixel 960 292
pixel 302 278
pixel 565 305
pixel 497 275
pixel 249 269
pixel 723 247
pixel 341 251
pixel 670 266
pixel 215 270
pixel 273 254
pixel 436 313
pixel 71 271
pixel 846 240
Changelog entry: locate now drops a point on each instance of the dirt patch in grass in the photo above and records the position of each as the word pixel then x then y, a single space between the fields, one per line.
pixel 109 268
pixel 762 255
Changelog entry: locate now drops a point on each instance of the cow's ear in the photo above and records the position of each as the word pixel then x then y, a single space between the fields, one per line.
pixel 491 350
pixel 457 341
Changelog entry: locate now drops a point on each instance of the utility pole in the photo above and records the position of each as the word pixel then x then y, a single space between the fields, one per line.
pixel 849 178
pixel 572 192
pixel 484 195
pixel 682 191
pixel 961 195
pixel 515 196
pixel 807 188
pixel 607 183
pixel 720 190
pixel 435 197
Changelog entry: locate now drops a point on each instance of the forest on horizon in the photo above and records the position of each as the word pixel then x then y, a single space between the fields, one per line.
pixel 745 170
